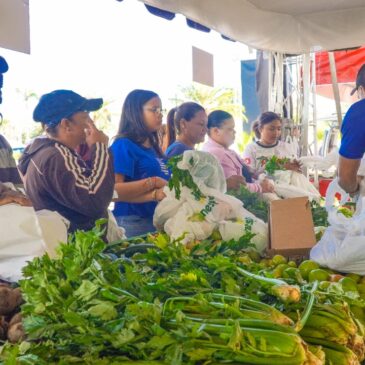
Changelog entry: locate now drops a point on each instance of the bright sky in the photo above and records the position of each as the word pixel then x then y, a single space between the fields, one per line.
pixel 107 48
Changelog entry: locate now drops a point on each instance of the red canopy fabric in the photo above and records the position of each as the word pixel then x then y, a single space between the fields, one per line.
pixel 347 65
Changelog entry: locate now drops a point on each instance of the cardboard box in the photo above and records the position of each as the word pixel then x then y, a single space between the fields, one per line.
pixel 291 228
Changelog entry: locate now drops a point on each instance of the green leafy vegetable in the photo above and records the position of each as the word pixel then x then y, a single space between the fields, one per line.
pixel 273 164
pixel 253 202
pixel 181 178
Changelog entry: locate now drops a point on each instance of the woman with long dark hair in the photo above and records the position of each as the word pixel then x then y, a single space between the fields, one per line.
pixel 139 165
pixel 186 127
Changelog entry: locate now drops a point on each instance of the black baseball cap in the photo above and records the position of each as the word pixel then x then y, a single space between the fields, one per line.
pixel 360 79
pixel 59 104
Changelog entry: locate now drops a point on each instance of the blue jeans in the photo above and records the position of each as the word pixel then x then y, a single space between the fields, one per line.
pixel 135 225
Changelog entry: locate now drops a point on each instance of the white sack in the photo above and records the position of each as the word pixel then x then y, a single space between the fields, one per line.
pixel 221 211
pixel 342 246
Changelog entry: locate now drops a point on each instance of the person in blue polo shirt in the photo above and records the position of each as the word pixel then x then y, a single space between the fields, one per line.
pixel 139 164
pixel 353 138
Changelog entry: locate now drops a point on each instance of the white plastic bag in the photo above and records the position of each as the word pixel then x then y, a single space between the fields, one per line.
pixel 114 232
pixel 235 230
pixel 342 246
pixel 206 170
pixel 292 184
pixel 21 239
pixel 182 224
pixel 21 234
pixel 327 162
pixel 54 229
pixel 320 162
pixel 179 217
pixel 221 212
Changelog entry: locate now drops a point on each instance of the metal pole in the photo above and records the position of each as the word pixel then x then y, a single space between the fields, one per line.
pixel 305 110
pixel 270 71
pixel 279 84
pixel 314 122
pixel 335 89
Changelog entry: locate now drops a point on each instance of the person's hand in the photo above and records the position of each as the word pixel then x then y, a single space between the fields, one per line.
pixel 6 200
pixel 159 182
pixel 22 200
pixel 234 182
pixel 94 135
pixel 267 186
pixel 293 166
pixel 160 194
pixel 17 199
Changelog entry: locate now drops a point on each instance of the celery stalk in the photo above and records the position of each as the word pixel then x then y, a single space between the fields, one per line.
pixel 279 288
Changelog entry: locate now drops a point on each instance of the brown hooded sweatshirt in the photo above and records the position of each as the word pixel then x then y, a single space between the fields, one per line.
pixel 57 179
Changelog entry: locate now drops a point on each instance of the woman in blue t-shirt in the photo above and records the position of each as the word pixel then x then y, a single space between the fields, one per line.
pixel 186 127
pixel 139 165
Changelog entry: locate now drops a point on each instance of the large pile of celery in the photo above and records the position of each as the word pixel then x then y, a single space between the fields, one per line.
pixel 155 301
pixel 211 303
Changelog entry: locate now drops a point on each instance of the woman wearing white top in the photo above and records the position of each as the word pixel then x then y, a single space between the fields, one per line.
pixel 268 131
pixel 268 144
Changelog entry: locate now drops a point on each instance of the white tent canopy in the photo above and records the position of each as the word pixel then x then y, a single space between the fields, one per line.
pixel 14 25
pixel 286 26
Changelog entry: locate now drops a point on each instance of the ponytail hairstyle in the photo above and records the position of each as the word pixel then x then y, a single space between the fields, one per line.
pixel 217 118
pixel 170 127
pixel 185 111
pixel 263 119
pixel 132 123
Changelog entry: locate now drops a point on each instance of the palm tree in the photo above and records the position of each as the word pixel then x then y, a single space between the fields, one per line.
pixel 212 99
pixel 217 98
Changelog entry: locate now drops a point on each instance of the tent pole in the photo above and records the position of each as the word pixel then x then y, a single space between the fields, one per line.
pixel 335 89
pixel 305 110
pixel 271 79
pixel 279 85
pixel 314 122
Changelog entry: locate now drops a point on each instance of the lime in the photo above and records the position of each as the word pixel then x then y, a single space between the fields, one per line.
pixel 323 285
pixel 361 288
pixel 255 256
pixel 348 285
pixel 355 277
pixel 306 267
pixel 292 264
pixel 293 273
pixel 319 275
pixel 279 259
pixel 245 259
pixel 289 273
pixel 265 263
pixel 278 271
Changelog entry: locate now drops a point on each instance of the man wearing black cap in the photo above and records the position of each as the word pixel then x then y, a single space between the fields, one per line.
pixel 353 138
pixel 55 176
